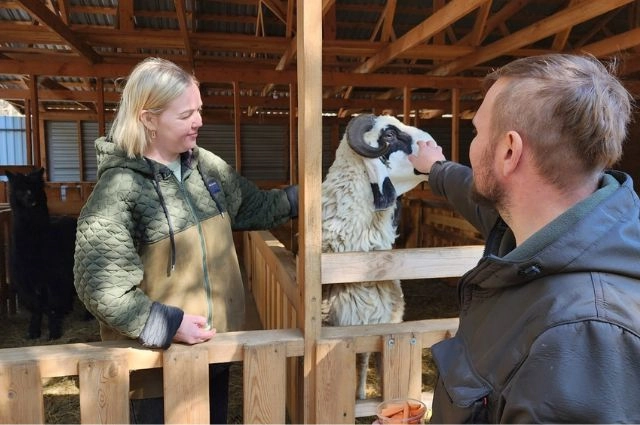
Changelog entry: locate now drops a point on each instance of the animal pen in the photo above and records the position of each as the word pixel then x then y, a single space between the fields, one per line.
pixel 294 369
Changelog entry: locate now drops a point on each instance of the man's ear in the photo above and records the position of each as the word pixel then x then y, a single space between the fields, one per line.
pixel 512 155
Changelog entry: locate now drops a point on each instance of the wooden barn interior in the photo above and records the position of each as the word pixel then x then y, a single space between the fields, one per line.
pixel 280 79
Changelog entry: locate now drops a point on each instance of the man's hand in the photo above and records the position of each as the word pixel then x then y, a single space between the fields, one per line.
pixel 193 330
pixel 428 153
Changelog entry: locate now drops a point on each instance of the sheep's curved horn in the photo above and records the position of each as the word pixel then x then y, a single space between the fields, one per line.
pixel 355 135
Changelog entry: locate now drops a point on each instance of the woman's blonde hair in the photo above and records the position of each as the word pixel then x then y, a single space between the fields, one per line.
pixel 151 86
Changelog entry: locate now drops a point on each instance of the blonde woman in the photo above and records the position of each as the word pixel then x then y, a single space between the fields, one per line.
pixel 155 259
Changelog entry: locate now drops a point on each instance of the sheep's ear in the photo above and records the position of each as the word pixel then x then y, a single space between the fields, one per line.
pixel 384 193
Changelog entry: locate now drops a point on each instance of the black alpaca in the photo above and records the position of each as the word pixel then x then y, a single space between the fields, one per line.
pixel 41 255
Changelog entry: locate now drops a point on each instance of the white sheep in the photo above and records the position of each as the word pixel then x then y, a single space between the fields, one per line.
pixel 359 196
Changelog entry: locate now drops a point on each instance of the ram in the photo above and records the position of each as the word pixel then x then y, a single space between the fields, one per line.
pixel 359 213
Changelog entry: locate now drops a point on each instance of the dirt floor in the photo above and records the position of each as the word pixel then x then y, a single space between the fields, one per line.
pixel 425 299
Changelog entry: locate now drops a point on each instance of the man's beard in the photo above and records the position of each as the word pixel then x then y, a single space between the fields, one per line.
pixel 492 194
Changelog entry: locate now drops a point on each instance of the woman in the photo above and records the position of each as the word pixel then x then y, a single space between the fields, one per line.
pixel 155 259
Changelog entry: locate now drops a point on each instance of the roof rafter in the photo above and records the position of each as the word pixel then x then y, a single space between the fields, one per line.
pixel 40 12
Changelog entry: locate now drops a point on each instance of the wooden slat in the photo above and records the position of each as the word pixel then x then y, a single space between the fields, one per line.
pixel 264 381
pixel 336 381
pixel 367 337
pixel 402 366
pixel 418 263
pixel 104 395
pixel 21 399
pixel 186 385
pixel 62 360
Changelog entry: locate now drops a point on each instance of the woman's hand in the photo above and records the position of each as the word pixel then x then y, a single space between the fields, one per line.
pixel 193 330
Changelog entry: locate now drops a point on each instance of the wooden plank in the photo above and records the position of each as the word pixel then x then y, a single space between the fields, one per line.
pixel 336 381
pixel 104 395
pixel 21 398
pixel 280 261
pixel 402 366
pixel 63 360
pixel 264 381
pixel 186 385
pixel 309 74
pixel 367 337
pixel 416 263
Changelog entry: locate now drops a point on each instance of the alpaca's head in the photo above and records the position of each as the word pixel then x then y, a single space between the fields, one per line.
pixel 26 191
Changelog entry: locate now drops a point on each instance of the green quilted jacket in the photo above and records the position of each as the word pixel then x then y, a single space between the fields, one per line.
pixel 150 248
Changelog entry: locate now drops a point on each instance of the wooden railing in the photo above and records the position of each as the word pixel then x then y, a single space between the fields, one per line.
pixel 270 357
pixel 103 374
pixel 271 276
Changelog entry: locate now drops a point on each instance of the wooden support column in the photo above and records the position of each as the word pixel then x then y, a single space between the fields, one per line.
pixel 100 105
pixel 237 115
pixel 406 104
pixel 29 133
pixel 309 47
pixel 293 146
pixel 455 124
pixel 36 158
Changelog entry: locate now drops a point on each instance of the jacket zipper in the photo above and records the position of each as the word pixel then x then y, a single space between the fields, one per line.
pixel 205 270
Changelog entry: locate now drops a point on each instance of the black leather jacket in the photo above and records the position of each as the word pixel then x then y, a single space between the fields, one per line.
pixel 549 332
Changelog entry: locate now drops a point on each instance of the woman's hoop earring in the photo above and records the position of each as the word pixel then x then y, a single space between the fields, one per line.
pixel 153 134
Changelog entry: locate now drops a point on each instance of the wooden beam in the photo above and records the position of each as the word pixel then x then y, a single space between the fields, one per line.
pixel 439 20
pixel 613 45
pixel 181 12
pixel 40 12
pixel 572 15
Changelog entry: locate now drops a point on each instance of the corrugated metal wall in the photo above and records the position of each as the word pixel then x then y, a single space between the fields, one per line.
pixel 13 140
pixel 63 151
pixel 265 152
pixel 219 139
pixel 89 134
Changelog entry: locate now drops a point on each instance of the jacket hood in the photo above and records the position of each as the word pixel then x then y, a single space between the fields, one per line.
pixel 605 239
pixel 109 155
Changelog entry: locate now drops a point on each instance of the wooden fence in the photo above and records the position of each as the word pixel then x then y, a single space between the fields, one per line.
pixel 270 357
pixel 271 276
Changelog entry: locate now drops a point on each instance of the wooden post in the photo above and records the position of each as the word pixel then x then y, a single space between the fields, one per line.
pixel 36 159
pixel 293 146
pixel 28 130
pixel 21 393
pixel 455 124
pixel 237 115
pixel 105 390
pixel 406 105
pixel 100 105
pixel 309 46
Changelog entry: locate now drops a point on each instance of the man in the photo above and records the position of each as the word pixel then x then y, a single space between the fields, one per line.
pixel 550 317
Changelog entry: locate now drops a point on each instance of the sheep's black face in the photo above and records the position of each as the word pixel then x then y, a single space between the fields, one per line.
pixel 396 139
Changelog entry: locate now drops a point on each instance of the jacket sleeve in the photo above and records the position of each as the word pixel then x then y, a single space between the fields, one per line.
pixel 454 181
pixel 107 271
pixel 250 207
pixel 584 372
